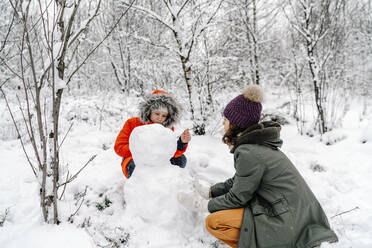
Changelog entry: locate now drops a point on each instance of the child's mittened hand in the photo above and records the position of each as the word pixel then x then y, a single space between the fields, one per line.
pixel 186 136
pixel 130 168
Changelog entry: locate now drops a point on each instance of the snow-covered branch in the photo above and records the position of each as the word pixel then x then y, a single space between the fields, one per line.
pixel 153 15
pixel 85 26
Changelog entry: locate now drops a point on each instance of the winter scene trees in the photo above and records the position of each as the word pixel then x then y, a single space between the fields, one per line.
pixel 72 72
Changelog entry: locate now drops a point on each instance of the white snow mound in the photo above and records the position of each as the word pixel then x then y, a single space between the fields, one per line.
pixel 153 212
pixel 152 145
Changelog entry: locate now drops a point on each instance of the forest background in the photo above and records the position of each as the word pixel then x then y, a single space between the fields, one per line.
pixel 65 62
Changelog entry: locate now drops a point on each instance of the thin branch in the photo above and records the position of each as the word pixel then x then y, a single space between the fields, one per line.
pixel 169 8
pixel 41 17
pixel 6 80
pixel 67 36
pixel 64 187
pixel 348 211
pixel 43 21
pixel 28 42
pixel 86 25
pixel 8 32
pixel 30 130
pixel 204 28
pixel 154 44
pixel 183 5
pixel 117 76
pixel 81 203
pixel 14 8
pixel 10 69
pixel 3 217
pixel 19 134
pixel 69 129
pixel 150 14
pixel 95 48
pixel 77 173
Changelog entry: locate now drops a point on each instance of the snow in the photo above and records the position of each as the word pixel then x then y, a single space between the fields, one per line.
pixel 152 145
pixel 366 135
pixel 59 83
pixel 60 236
pixel 151 193
pixel 144 211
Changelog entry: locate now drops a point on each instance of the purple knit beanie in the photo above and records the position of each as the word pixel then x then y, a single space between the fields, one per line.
pixel 245 109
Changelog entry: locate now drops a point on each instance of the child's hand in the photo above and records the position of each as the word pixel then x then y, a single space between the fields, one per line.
pixel 186 136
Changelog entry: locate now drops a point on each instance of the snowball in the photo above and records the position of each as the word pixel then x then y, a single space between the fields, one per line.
pixel 152 145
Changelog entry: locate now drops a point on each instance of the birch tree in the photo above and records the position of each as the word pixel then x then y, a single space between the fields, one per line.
pixel 316 22
pixel 185 22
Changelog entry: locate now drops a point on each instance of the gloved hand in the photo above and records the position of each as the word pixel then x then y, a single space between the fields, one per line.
pixel 203 191
pixel 130 168
pixel 127 166
pixel 192 203
pixel 180 161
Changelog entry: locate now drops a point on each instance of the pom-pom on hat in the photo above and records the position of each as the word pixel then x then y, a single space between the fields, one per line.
pixel 245 109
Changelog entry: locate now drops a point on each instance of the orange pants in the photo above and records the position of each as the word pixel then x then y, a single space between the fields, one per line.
pixel 225 225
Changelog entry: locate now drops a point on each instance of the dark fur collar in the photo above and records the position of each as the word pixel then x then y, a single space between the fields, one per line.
pixel 264 133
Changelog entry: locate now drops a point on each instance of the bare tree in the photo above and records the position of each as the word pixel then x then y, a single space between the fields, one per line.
pixel 316 23
pixel 186 21
pixel 48 42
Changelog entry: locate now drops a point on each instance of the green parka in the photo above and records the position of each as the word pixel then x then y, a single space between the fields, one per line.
pixel 279 208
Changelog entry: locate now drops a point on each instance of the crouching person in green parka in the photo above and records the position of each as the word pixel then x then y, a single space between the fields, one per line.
pixel 267 203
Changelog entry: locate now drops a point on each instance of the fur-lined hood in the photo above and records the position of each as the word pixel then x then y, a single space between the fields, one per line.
pixel 157 100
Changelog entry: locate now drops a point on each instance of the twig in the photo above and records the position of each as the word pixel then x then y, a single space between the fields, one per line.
pixel 19 134
pixel 10 69
pixel 30 131
pixel 64 187
pixel 95 48
pixel 77 173
pixel 4 82
pixel 3 218
pixel 181 8
pixel 8 32
pixel 151 15
pixel 81 203
pixel 59 147
pixel 345 212
pixel 86 25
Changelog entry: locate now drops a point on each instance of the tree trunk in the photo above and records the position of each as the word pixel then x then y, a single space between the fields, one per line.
pixel 255 48
pixel 314 69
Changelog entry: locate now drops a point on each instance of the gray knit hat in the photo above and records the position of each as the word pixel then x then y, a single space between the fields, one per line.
pixel 245 109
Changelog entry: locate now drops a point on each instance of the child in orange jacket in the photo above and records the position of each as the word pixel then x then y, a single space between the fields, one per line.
pixel 159 108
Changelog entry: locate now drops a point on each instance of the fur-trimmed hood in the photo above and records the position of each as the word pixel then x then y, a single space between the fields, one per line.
pixel 266 133
pixel 156 100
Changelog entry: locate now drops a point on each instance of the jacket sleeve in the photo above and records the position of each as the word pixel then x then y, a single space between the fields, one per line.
pixel 122 141
pixel 246 181
pixel 181 148
pixel 222 188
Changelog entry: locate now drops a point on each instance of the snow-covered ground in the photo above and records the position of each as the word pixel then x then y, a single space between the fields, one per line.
pixel 337 166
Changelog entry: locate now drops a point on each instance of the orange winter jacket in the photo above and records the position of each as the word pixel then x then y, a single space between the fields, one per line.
pixel 122 143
